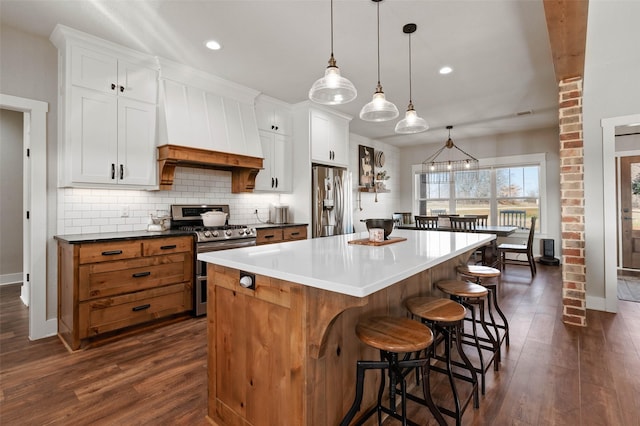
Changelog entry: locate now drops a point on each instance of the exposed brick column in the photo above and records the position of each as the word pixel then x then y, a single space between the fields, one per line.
pixel 572 211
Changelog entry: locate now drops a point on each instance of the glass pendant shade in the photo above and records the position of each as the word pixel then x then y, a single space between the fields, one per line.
pixel 411 123
pixel 379 109
pixel 332 89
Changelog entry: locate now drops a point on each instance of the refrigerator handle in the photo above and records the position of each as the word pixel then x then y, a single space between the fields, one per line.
pixel 339 200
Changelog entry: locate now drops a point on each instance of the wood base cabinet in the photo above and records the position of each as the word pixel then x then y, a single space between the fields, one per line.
pixel 108 286
pixel 279 235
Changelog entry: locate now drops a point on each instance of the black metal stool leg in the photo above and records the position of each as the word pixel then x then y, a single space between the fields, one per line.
pixel 362 366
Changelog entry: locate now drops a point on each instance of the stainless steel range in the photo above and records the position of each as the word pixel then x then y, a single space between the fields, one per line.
pixel 186 217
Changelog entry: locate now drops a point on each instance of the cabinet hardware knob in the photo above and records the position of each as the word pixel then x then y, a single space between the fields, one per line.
pixel 113 86
pixel 141 307
pixel 141 274
pixel 111 252
pixel 121 89
pixel 121 172
pixel 172 246
pixel 276 182
pixel 113 171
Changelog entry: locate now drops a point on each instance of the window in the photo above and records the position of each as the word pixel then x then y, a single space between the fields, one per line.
pixel 506 189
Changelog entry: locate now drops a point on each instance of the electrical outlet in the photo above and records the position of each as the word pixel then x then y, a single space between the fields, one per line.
pixel 124 211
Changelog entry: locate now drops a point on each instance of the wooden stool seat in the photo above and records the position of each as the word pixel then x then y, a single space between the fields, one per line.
pixel 462 288
pixel 393 334
pixel 478 271
pixel 436 309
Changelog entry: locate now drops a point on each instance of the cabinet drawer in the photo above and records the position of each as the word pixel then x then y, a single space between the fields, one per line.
pixel 111 278
pixel 295 233
pixel 106 252
pixel 269 235
pixel 112 313
pixel 166 245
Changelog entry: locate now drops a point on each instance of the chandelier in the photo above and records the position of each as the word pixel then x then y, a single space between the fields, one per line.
pixel 447 166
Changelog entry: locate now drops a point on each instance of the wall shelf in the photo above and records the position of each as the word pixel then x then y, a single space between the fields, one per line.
pixel 379 191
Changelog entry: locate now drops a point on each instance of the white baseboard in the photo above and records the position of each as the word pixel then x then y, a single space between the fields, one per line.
pixel 596 303
pixel 7 279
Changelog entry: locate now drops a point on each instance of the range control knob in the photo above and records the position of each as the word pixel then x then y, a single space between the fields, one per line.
pixel 215 233
pixel 228 232
pixel 207 234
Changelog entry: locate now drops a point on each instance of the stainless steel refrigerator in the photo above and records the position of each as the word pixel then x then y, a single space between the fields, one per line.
pixel 332 201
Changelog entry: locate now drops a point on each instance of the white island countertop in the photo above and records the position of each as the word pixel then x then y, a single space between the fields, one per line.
pixel 330 263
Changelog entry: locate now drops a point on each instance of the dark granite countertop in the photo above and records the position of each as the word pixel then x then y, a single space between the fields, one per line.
pixel 118 236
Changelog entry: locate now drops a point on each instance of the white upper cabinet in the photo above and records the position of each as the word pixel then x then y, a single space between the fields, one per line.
pixel 273 115
pixel 108 110
pixel 200 110
pixel 276 175
pixel 329 137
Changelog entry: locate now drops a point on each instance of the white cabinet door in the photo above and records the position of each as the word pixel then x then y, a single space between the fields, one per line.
pixel 273 117
pixel 136 143
pixel 329 138
pixel 93 156
pixel 94 70
pixel 137 82
pixel 276 174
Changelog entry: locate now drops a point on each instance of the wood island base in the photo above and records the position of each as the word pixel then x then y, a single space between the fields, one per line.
pixel 285 353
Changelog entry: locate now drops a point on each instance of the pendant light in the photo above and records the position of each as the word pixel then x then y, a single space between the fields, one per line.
pixel 332 89
pixel 379 109
pixel 411 123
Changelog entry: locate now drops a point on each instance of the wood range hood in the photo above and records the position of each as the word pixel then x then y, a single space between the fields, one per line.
pixel 243 168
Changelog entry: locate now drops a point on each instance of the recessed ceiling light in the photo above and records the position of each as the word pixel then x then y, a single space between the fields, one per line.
pixel 446 70
pixel 213 45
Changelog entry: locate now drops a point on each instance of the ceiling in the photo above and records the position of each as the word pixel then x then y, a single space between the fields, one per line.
pixel 503 78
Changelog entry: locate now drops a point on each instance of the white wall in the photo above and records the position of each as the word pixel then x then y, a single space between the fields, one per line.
pixel 503 145
pixel 611 89
pixel 11 196
pixel 388 202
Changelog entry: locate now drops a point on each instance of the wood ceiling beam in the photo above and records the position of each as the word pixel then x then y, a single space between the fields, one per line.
pixel 567 27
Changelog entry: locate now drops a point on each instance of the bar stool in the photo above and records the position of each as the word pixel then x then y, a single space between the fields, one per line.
pixel 445 317
pixel 392 336
pixel 480 273
pixel 471 295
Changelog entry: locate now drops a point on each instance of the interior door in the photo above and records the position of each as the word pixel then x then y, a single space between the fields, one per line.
pixel 630 210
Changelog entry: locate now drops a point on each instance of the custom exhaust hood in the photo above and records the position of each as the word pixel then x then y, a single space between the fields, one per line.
pixel 205 122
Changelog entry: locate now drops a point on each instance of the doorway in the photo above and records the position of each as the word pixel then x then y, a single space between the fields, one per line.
pixel 610 128
pixel 34 202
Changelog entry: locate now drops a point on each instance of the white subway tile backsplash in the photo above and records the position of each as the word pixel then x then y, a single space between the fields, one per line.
pixel 83 211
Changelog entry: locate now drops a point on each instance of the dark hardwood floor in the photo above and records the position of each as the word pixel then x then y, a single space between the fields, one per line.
pixel 552 374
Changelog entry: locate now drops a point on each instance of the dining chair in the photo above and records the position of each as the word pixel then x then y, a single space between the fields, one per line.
pixel 526 249
pixel 426 222
pixel 513 218
pixel 482 219
pixel 463 223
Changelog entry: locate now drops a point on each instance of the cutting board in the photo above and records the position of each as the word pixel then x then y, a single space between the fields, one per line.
pixel 366 242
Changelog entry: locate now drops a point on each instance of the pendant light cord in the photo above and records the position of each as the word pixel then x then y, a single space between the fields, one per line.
pixel 410 100
pixel 332 28
pixel 378 13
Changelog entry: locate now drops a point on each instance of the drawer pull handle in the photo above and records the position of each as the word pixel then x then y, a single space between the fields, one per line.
pixel 111 252
pixel 141 307
pixel 172 246
pixel 269 236
pixel 141 274
pixel 295 233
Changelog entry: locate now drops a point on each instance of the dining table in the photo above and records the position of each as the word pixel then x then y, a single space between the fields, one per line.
pixel 499 231
pixel 490 253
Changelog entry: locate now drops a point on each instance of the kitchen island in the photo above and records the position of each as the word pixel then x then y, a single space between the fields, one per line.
pixel 283 350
